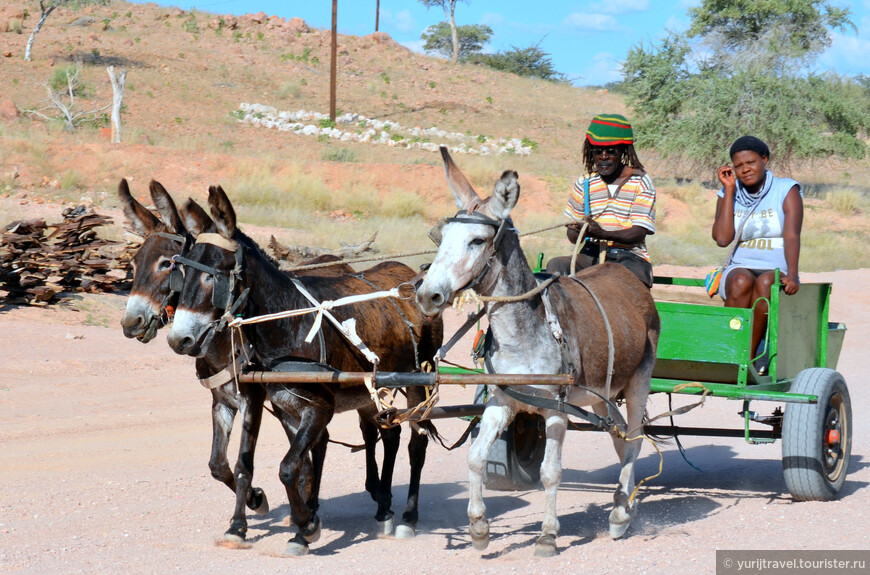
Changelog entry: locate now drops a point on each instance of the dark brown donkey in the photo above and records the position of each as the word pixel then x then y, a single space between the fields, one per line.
pixel 392 328
pixel 149 308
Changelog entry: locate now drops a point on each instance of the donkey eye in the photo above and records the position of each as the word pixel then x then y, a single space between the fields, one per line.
pixel 164 265
pixel 207 279
pixel 477 242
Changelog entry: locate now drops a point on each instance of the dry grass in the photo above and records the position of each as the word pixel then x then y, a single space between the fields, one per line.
pixel 846 202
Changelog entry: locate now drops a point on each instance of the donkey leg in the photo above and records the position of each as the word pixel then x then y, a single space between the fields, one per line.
pixel 495 420
pixel 222 416
pixel 318 456
pixel 252 415
pixel 417 456
pixel 370 436
pixel 292 466
pixel 251 405
pixel 551 477
pixel 386 520
pixel 628 450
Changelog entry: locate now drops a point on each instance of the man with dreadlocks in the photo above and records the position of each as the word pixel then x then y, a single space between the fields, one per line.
pixel 615 200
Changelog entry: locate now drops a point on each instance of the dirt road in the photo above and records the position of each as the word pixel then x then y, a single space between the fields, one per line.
pixel 105 444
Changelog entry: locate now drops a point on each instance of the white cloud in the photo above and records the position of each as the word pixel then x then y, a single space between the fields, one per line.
pixel 491 19
pixel 620 6
pixel 604 68
pixel 401 21
pixel 591 22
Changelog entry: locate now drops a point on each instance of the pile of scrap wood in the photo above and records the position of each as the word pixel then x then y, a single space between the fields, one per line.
pixel 40 261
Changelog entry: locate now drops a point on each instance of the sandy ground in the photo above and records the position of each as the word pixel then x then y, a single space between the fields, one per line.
pixel 105 445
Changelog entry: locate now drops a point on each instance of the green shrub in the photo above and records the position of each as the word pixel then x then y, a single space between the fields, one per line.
pixel 190 25
pixel 531 62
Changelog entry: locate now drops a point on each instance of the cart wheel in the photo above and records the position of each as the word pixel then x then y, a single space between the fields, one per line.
pixel 514 460
pixel 817 438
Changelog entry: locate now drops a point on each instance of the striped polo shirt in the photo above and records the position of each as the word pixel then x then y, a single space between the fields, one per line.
pixel 633 204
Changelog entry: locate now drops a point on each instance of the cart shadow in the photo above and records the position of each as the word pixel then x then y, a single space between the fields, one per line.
pixel 704 468
pixel 682 494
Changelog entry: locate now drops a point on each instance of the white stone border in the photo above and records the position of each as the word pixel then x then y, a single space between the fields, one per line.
pixel 367 130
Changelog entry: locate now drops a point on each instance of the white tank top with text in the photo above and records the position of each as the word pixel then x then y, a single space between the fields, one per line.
pixel 761 244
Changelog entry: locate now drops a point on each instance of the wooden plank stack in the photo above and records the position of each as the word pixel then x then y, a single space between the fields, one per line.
pixel 38 269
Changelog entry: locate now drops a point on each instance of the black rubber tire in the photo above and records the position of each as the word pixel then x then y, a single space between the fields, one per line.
pixel 514 460
pixel 815 468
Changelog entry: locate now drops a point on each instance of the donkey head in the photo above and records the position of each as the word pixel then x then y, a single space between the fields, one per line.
pixel 211 270
pixel 469 240
pixel 151 297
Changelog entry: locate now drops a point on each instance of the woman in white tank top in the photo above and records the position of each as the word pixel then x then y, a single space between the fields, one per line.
pixel 770 238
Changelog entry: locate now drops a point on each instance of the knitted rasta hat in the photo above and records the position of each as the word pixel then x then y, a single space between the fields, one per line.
pixel 609 130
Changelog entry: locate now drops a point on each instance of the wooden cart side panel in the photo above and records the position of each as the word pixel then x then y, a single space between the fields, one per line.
pixel 703 333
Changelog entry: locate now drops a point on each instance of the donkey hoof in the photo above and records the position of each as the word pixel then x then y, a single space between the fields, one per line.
pixel 234 537
pixel 479 531
pixel 546 546
pixel 617 530
pixel 259 503
pixel 311 533
pixel 620 520
pixel 480 543
pixel 387 527
pixel 405 531
pixel 297 547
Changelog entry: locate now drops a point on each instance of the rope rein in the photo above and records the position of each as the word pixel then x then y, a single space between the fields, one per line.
pixel 406 254
pixel 576 249
pixel 469 296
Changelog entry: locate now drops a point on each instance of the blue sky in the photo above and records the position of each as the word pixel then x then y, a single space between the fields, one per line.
pixel 587 39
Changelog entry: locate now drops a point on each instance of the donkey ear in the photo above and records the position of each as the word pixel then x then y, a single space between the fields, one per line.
pixel 196 219
pixel 142 221
pixel 222 211
pixel 505 195
pixel 166 206
pixel 463 192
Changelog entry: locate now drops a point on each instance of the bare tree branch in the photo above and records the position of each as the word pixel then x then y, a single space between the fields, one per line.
pixel 58 101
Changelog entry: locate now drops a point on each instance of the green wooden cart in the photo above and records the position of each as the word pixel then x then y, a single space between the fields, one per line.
pixel 708 344
pixel 704 347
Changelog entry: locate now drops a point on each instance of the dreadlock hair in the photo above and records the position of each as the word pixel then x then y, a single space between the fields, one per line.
pixel 628 158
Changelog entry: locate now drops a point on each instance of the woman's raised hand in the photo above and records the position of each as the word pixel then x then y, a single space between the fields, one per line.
pixel 726 177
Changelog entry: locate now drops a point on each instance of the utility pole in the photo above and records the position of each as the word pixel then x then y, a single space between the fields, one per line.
pixel 377 14
pixel 332 60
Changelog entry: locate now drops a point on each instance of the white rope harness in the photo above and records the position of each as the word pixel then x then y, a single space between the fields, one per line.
pixel 347 327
